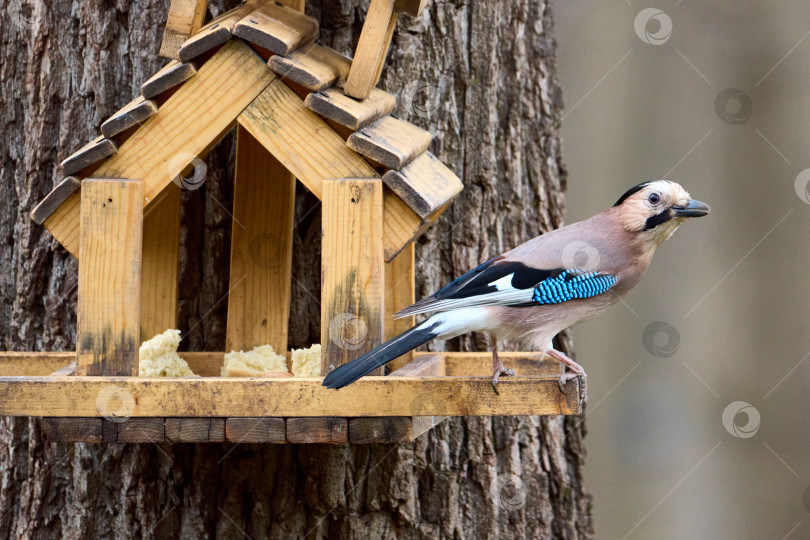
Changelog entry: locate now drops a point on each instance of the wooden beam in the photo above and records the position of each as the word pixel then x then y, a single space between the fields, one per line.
pixel 255 430
pixel 54 199
pixel 170 76
pixel 297 396
pixel 141 430
pixel 335 105
pixel 261 249
pixel 352 273
pixel 276 27
pixel 400 292
pixel 319 429
pixel 196 430
pixel 410 7
pixel 312 66
pixel 109 295
pixel 160 263
pixel 185 18
pixel 87 430
pixel 425 183
pixel 390 141
pixel 371 47
pixel 216 33
pixel 188 124
pixel 312 152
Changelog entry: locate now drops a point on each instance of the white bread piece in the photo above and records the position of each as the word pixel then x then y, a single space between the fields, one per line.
pixel 256 363
pixel 306 362
pixel 158 357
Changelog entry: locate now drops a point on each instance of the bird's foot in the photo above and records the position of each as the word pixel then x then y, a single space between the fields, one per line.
pixel 575 371
pixel 500 369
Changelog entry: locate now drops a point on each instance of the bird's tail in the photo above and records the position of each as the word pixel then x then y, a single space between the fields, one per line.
pixel 393 348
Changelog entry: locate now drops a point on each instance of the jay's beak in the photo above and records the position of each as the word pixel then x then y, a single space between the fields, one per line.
pixel 692 208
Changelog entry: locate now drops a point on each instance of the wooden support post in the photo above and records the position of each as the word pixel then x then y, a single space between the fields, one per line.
pixel 109 294
pixel 261 248
pixel 399 294
pixel 161 250
pixel 185 18
pixel 371 48
pixel 352 273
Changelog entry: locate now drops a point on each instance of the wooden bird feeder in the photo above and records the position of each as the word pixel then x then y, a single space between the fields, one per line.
pixel 118 210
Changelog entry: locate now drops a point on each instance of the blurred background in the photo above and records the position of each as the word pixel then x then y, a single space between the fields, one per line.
pixel 697 424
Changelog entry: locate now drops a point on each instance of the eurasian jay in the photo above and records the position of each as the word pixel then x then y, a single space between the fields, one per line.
pixel 552 282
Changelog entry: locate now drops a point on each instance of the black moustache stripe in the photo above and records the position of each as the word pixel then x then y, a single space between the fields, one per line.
pixel 658 219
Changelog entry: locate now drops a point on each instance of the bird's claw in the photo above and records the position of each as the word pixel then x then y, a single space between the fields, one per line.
pixel 583 380
pixel 497 374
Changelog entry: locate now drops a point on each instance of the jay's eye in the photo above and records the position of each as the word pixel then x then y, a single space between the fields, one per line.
pixel 654 198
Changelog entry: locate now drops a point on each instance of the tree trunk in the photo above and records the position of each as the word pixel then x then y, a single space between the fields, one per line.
pixel 482 77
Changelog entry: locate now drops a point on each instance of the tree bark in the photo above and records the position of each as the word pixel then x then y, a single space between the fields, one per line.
pixel 489 94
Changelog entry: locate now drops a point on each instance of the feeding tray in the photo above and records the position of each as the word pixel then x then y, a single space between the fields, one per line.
pixel 303 111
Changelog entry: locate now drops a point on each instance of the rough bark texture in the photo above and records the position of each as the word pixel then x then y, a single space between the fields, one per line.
pixel 491 99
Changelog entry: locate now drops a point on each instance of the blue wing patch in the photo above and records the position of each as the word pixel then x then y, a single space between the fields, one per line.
pixel 568 285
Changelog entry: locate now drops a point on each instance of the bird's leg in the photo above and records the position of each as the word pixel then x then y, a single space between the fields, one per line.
pixel 576 371
pixel 498 368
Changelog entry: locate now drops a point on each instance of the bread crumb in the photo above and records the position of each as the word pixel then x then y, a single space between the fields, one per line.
pixel 306 362
pixel 158 357
pixel 253 363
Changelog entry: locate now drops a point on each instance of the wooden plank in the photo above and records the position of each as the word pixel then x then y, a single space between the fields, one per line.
pixel 133 114
pixel 371 46
pixel 216 33
pixel 352 273
pixel 425 183
pixel 261 249
pixel 312 66
pixel 255 430
pixel 196 430
pixel 109 291
pixel 312 151
pixel 170 76
pixel 296 396
pixel 319 429
pixel 335 105
pixel 185 18
pixel 96 150
pixel 25 363
pixel 410 7
pixel 276 27
pixel 390 141
pixel 160 263
pixel 188 124
pixel 141 430
pixel 400 292
pixel 87 430
pixel 480 364
pixel 389 34
pixel 54 199
pixel 379 430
